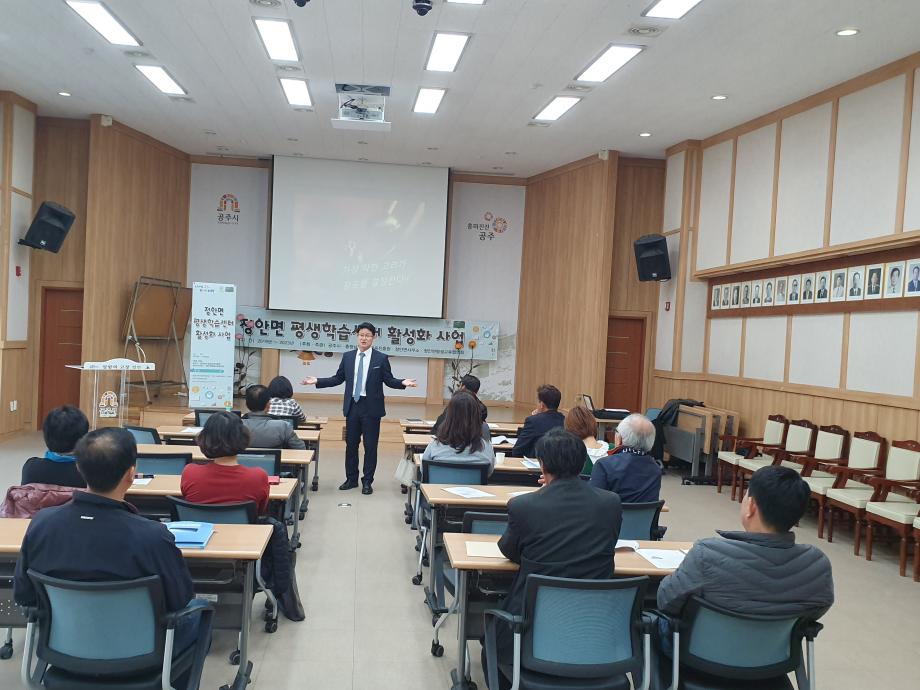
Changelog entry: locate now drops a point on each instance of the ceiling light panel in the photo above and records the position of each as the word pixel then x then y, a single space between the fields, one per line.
pixel 278 39
pixel 428 101
pixel 466 2
pixel 670 9
pixel 446 50
pixel 161 79
pixel 296 92
pixel 612 59
pixel 558 107
pixel 98 16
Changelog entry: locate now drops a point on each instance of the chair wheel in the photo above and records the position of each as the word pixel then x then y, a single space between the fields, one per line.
pixel 6 651
pixel 303 514
pixel 437 649
pixel 235 657
pixel 403 489
pixel 425 561
pixel 315 485
pixel 416 579
pixel 408 520
pixel 271 626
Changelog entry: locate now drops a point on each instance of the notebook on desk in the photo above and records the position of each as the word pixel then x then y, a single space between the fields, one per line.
pixel 191 535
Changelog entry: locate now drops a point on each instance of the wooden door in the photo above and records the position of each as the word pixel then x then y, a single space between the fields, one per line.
pixel 61 344
pixel 625 363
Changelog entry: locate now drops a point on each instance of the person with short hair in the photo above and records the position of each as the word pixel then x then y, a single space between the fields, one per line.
pixel 807 293
pixel 98 536
pixel 459 438
pixel 281 402
pixel 470 384
pixel 566 529
pixel 265 432
pixel 62 429
pixel 223 479
pixel 894 281
pixel 913 285
pixel 630 471
pixel 822 287
pixel 794 291
pixel 581 422
pixel 856 284
pixel 546 416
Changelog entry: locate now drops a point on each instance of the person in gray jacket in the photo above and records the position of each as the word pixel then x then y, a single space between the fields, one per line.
pixel 265 432
pixel 460 436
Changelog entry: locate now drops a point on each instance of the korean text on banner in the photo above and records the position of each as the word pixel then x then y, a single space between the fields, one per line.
pixel 212 353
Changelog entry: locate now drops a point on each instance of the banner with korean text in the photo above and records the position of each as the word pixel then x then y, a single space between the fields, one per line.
pixel 211 364
pixel 397 335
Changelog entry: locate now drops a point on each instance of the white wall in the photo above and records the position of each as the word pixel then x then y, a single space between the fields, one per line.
pixel 715 192
pixel 751 214
pixel 667 308
pixel 23 150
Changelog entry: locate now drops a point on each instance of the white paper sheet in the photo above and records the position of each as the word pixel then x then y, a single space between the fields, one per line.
pixel 630 544
pixel 468 492
pixel 142 482
pixel 192 429
pixel 521 493
pixel 483 549
pixel 498 440
pixel 531 464
pixel 666 559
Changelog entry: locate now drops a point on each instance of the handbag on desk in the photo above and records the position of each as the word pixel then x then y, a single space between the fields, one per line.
pixel 405 472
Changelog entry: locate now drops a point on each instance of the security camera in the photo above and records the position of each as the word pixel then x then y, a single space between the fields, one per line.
pixel 421 7
pixel 301 3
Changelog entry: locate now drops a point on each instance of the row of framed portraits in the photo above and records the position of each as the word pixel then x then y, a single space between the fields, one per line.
pixel 875 281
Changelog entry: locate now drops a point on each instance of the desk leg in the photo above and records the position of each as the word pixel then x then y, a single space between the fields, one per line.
pixel 431 592
pixel 295 530
pixel 315 485
pixel 245 671
pixel 460 680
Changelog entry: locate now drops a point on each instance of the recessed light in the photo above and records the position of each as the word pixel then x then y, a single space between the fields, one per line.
pixel 210 132
pixel 161 79
pixel 426 162
pixel 670 9
pixel 719 97
pixel 849 31
pixel 428 101
pixel 432 148
pixel 363 143
pixel 466 2
pixel 497 167
pixel 102 20
pixel 645 134
pixel 63 93
pixel 510 153
pixel 293 139
pixel 362 159
pixel 296 91
pixel 446 51
pixel 223 148
pixel 277 38
pixel 266 3
pixel 612 59
pixel 298 154
pixel 556 108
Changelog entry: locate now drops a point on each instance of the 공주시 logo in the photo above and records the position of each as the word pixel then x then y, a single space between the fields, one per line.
pixel 228 210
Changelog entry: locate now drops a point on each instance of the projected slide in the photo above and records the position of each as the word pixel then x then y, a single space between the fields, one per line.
pixel 361 238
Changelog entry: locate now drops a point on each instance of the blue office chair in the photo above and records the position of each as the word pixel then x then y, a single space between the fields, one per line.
pixel 640 521
pixel 156 463
pixel 202 416
pixel 268 459
pixel 94 635
pixel 291 420
pixel 473 523
pixel 244 513
pixel 574 635
pixel 715 648
pixel 144 434
pixel 652 413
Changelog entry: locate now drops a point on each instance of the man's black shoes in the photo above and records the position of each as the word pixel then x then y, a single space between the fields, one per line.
pixel 348 485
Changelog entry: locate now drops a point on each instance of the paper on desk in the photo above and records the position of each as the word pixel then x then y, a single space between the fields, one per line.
pixel 493 425
pixel 468 492
pixel 430 421
pixel 483 549
pixel 630 544
pixel 531 464
pixel 142 482
pixel 498 440
pixel 192 429
pixel 666 559
pixel 521 493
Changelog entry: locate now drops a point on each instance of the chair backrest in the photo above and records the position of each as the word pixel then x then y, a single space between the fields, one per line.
pixel 640 520
pixel 867 451
pixel 903 461
pixel 582 628
pixel 800 437
pixel 774 430
pixel 726 644
pixel 484 523
pixel 269 459
pixel 100 628
pixel 831 443
pixel 453 472
pixel 243 513
pixel 652 413
pixel 165 463
pixel 292 421
pixel 201 416
pixel 144 434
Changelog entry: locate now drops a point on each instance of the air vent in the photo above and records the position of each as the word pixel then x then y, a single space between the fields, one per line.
pixel 266 3
pixel 363 89
pixel 579 88
pixel 537 124
pixel 289 68
pixel 645 31
pixel 182 99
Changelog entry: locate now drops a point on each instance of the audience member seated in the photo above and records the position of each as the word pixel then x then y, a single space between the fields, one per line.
pixel 567 529
pixel 265 432
pixel 470 384
pixel 581 422
pixel 282 403
pixel 541 420
pixel 629 470
pixel 459 438
pixel 760 570
pixel 222 479
pixel 99 537
pixel 62 428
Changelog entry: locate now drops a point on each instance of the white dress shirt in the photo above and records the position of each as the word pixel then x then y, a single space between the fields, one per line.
pixel 362 385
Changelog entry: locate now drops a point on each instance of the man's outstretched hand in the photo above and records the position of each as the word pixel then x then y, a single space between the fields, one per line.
pixel 408 383
pixel 309 381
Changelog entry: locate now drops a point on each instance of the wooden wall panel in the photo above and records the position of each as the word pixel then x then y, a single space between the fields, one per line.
pixel 137 225
pixel 565 280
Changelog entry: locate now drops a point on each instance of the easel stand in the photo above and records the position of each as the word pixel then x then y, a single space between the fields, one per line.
pixel 113 366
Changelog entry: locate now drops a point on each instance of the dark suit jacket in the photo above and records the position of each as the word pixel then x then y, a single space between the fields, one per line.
pixel 566 529
pixel 913 286
pixel 378 373
pixel 534 427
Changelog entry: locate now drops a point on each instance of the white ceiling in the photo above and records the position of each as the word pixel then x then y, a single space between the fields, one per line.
pixel 762 53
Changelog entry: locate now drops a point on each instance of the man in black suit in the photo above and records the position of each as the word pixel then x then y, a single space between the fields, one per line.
pixel 913 285
pixel 541 420
pixel 566 529
pixel 363 406
pixel 822 288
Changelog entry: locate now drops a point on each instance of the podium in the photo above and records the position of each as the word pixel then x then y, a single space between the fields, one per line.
pixel 111 405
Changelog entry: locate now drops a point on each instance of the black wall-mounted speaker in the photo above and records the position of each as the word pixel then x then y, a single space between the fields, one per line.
pixel 49 228
pixel 652 262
